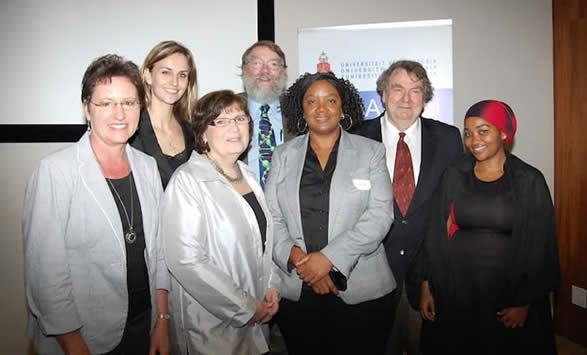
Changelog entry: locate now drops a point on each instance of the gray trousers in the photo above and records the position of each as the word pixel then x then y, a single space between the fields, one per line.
pixel 407 326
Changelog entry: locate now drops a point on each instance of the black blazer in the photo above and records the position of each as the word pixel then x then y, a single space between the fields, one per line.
pixel 441 145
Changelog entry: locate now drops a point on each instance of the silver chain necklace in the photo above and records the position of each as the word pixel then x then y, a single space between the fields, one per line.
pixel 130 235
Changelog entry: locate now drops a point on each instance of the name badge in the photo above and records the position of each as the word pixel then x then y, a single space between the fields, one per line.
pixel 362 184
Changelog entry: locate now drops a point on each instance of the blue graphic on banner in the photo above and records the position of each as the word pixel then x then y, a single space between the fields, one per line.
pixel 372 102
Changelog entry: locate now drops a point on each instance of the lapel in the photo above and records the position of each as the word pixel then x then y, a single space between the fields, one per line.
pixel 294 166
pixel 346 161
pixel 146 134
pixel 427 163
pixel 96 185
pixel 373 130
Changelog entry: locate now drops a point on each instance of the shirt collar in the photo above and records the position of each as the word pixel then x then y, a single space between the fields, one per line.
pixel 391 130
pixel 255 107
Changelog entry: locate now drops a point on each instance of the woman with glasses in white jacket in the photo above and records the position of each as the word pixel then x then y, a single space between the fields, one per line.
pixel 217 235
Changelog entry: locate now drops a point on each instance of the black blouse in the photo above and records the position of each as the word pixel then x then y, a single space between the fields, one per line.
pixel 145 140
pixel 315 198
pixel 137 278
pixel 261 220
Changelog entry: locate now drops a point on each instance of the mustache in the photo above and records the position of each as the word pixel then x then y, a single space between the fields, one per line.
pixel 265 77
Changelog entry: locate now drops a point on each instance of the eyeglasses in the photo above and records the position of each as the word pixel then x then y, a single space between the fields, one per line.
pixel 257 63
pixel 224 122
pixel 109 105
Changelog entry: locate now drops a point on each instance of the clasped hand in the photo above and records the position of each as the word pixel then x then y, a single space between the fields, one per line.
pixel 313 268
pixel 265 309
pixel 513 317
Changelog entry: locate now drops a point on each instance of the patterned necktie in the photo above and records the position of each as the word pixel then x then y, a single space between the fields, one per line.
pixel 403 175
pixel 266 144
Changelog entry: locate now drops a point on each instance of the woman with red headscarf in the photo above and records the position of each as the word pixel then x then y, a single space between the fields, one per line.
pixel 490 257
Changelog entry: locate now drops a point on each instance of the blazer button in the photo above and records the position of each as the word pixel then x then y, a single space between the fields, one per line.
pixel 401 252
pixel 404 221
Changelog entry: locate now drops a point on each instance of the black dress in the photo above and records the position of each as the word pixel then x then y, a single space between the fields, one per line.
pixel 474 271
pixel 479 248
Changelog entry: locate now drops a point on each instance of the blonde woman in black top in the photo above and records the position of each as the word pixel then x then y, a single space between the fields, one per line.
pixel 169 75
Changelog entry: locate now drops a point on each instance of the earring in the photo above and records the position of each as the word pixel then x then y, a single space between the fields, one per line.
pixel 343 117
pixel 302 126
pixel 89 125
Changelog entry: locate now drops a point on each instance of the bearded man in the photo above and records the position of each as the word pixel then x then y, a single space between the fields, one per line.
pixel 264 78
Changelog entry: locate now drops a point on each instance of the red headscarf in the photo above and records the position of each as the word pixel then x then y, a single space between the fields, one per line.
pixel 498 114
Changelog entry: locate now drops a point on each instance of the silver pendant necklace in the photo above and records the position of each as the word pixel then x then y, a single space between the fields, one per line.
pixel 130 236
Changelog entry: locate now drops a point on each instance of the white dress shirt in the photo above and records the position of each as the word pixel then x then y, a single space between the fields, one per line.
pixel 413 138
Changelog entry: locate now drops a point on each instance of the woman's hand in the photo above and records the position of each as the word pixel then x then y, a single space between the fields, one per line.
pixel 159 342
pixel 73 343
pixel 427 307
pixel 271 301
pixel 295 255
pixel 262 311
pixel 324 286
pixel 313 267
pixel 513 317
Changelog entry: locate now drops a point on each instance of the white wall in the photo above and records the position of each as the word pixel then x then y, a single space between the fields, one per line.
pixel 502 49
pixel 17 161
pixel 47 45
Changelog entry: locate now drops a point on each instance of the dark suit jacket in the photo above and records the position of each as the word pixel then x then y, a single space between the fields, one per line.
pixel 441 145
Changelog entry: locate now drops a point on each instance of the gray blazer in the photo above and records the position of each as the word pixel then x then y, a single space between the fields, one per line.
pixel 75 263
pixel 361 212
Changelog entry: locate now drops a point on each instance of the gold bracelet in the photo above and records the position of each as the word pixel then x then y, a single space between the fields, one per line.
pixel 165 316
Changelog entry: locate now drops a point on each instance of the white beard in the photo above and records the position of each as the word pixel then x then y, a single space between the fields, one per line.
pixel 264 95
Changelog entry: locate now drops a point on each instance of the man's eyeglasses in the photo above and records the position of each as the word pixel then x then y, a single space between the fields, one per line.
pixel 224 122
pixel 109 105
pixel 273 64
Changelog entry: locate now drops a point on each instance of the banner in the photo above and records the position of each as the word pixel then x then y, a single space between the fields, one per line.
pixel 360 53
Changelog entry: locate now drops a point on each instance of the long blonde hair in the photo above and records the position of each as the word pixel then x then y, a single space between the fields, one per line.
pixel 182 108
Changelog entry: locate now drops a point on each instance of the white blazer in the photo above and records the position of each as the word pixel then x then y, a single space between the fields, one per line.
pixel 360 215
pixel 75 258
pixel 212 245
